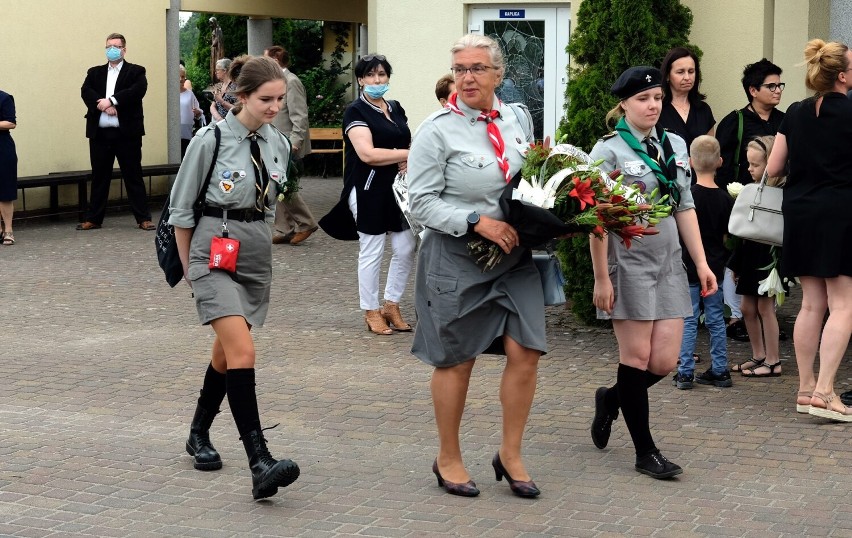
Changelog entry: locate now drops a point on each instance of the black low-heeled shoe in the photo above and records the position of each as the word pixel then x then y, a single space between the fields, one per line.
pixel 468 489
pixel 521 489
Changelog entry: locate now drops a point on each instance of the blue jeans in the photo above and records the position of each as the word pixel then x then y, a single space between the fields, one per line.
pixel 714 320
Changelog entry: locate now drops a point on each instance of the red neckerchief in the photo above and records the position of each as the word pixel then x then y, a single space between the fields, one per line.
pixel 493 133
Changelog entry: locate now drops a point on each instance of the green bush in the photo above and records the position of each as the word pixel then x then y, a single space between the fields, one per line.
pixel 610 36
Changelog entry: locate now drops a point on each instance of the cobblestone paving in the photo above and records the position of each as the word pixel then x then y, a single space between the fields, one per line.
pixel 102 362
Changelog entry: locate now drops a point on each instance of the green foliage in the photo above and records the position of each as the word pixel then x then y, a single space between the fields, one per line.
pixel 573 253
pixel 189 37
pixel 325 92
pixel 235 33
pixel 302 40
pixel 610 36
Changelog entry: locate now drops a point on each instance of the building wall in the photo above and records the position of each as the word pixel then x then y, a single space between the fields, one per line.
pixel 46 54
pixel 732 34
pixel 419 50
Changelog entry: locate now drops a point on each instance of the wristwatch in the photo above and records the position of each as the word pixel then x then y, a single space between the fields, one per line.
pixel 472 220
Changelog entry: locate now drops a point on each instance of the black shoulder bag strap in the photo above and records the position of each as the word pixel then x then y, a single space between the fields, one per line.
pixel 199 204
pixel 739 145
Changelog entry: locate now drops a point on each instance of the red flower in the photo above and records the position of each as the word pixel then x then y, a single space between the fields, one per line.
pixel 630 232
pixel 583 192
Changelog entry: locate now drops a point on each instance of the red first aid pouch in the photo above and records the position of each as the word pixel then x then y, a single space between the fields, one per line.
pixel 223 253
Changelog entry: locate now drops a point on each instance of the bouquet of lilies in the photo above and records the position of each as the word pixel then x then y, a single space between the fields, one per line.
pixel 560 191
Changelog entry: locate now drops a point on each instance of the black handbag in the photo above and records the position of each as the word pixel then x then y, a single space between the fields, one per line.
pixel 164 240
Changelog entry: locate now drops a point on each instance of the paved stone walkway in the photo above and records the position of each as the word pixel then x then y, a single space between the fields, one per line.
pixel 102 362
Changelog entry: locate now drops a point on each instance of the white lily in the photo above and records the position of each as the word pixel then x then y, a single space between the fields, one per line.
pixel 734 189
pixel 772 287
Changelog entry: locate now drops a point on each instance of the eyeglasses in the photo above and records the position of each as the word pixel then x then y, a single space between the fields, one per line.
pixel 773 86
pixel 111 46
pixel 371 57
pixel 476 70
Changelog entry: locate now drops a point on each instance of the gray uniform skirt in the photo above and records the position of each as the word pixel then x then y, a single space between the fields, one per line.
pixel 463 312
pixel 649 279
pixel 220 293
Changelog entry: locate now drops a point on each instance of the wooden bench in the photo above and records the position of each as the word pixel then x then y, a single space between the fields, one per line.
pixel 333 135
pixel 81 178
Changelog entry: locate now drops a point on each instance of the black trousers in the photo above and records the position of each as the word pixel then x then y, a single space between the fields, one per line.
pixel 107 146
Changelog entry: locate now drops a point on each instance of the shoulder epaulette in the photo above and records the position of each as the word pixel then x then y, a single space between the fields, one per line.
pixel 608 135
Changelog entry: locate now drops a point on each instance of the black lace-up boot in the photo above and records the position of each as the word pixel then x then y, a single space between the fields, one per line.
pixel 198 445
pixel 267 473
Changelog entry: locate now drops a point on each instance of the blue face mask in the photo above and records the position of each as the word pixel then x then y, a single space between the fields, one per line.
pixel 375 91
pixel 113 54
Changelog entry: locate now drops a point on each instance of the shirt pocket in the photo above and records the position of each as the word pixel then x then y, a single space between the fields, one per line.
pixel 639 174
pixel 480 170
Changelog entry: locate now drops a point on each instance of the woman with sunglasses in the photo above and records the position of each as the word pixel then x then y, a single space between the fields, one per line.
pixel 760 117
pixel 460 162
pixel 376 140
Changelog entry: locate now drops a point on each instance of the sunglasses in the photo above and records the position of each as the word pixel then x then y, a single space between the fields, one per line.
pixel 371 57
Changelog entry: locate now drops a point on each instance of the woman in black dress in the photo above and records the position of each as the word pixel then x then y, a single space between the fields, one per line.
pixel 685 112
pixel 376 140
pixel 814 140
pixel 8 167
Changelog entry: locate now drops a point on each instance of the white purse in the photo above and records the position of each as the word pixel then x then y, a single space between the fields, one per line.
pixel 756 215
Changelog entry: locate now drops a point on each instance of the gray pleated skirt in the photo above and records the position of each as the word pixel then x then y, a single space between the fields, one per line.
pixel 244 293
pixel 463 312
pixel 649 278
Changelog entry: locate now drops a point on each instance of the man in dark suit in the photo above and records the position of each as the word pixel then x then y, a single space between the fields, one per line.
pixel 114 126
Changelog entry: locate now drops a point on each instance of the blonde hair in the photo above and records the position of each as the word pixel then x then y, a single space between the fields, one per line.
pixel 764 145
pixel 614 114
pixel 824 62
pixel 704 153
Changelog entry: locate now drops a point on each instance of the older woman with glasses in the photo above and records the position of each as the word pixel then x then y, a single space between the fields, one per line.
pixel 460 162
pixel 376 140
pixel 224 93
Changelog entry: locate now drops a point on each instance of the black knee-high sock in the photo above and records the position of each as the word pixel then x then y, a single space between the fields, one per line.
pixel 243 399
pixel 213 391
pixel 611 397
pixel 633 395
pixel 652 379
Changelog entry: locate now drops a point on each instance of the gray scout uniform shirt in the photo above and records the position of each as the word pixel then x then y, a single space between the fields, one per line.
pixel 618 155
pixel 452 167
pixel 649 278
pixel 232 185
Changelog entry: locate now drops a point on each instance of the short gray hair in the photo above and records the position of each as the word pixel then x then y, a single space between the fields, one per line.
pixel 482 42
pixel 223 64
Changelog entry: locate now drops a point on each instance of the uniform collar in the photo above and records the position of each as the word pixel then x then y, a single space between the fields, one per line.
pixel 640 136
pixel 474 113
pixel 374 107
pixel 239 130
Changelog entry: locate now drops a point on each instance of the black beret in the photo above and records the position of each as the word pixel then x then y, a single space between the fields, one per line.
pixel 636 79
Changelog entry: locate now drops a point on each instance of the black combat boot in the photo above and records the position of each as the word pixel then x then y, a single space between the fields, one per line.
pixel 267 473
pixel 204 455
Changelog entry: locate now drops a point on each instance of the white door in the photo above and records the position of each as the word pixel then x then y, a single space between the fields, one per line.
pixel 533 40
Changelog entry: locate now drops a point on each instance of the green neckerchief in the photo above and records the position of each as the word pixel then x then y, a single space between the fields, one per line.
pixel 667 184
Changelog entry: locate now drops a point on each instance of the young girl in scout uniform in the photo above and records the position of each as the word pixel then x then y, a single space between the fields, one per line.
pixel 644 290
pixel 252 157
